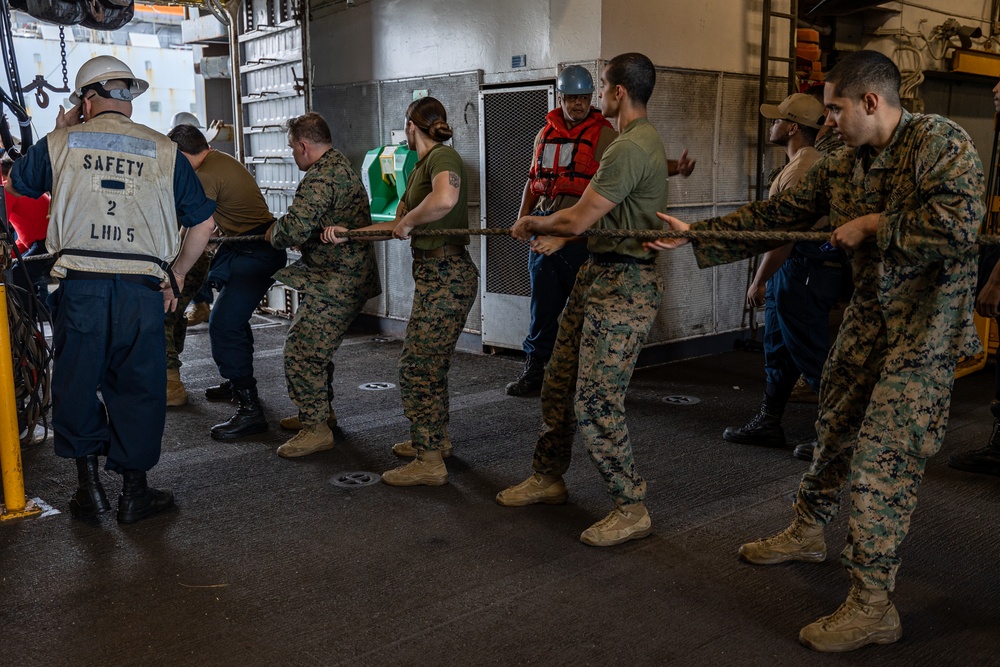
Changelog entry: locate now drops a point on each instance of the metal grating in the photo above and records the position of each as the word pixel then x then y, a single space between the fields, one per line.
pixel 680 102
pixel 353 116
pixel 687 308
pixel 738 132
pixel 511 120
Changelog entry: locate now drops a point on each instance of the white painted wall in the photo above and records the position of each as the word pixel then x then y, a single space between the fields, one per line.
pixel 394 39
pixel 170 74
pixel 390 39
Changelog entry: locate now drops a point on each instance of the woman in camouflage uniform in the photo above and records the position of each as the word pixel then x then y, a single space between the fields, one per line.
pixel 445 284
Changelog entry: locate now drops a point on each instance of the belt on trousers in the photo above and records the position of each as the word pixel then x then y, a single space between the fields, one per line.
pixel 443 251
pixel 605 258
pixel 145 281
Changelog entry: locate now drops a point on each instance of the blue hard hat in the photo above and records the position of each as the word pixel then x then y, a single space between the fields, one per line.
pixel 575 80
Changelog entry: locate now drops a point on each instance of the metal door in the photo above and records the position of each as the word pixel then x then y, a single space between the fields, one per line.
pixel 509 120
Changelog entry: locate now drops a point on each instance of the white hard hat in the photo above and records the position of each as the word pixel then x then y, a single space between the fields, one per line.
pixel 185 118
pixel 103 69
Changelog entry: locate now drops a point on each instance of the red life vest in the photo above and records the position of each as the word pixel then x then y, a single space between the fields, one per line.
pixel 564 161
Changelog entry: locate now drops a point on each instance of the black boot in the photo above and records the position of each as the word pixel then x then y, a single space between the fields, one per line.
pixel 90 500
pixel 530 380
pixel 804 450
pixel 985 461
pixel 763 429
pixel 220 392
pixel 138 501
pixel 249 417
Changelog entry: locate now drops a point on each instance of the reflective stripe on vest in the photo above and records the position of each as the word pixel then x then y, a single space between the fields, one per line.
pixel 113 208
pixel 565 159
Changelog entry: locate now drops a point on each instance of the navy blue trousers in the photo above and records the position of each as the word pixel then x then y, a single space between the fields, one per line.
pixel 798 301
pixel 242 274
pixel 552 277
pixel 988 258
pixel 108 337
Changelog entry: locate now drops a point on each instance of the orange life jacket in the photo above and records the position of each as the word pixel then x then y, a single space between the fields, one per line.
pixel 564 161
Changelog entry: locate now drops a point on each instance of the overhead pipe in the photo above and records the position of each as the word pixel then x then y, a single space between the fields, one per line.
pixel 227 14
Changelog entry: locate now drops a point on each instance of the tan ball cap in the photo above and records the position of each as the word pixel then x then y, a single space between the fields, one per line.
pixel 798 108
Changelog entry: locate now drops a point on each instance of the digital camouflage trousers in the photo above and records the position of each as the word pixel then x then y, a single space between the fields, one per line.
pixel 444 291
pixel 601 331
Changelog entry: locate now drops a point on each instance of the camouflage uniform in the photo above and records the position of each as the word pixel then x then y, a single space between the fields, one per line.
pixel 333 281
pixel 444 289
pixel 176 322
pixel 443 292
pixel 601 333
pixel 605 321
pixel 886 387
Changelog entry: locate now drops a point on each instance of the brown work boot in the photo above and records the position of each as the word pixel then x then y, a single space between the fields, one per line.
pixel 800 541
pixel 624 523
pixel 866 617
pixel 539 488
pixel 198 314
pixel 308 440
pixel 408 451
pixel 293 424
pixel 803 393
pixel 176 393
pixel 426 469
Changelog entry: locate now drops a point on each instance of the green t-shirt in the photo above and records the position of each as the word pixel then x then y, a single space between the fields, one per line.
pixel 633 174
pixel 439 159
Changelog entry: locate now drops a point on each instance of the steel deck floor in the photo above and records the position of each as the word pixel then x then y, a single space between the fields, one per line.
pixel 266 562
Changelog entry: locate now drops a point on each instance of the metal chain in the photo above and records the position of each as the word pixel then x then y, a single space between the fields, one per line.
pixel 62 54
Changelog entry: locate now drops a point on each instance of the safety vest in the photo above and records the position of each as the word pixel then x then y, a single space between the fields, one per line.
pixel 112 208
pixel 564 161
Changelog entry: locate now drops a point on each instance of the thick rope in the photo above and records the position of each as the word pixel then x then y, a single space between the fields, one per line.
pixel 642 235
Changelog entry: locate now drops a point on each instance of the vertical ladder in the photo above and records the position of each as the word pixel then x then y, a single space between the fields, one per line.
pixel 766 58
pixel 769 17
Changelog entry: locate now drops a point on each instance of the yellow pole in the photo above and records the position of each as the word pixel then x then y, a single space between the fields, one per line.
pixel 10 445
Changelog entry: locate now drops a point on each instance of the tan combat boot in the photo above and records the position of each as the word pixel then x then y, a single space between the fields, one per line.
pixel 176 393
pixel 426 469
pixel 293 424
pixel 539 488
pixel 408 451
pixel 800 541
pixel 624 523
pixel 803 393
pixel 867 617
pixel 308 440
pixel 199 313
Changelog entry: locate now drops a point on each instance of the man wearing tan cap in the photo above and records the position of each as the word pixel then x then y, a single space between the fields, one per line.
pixel 797 283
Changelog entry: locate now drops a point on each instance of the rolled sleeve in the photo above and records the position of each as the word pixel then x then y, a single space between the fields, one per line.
pixel 193 207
